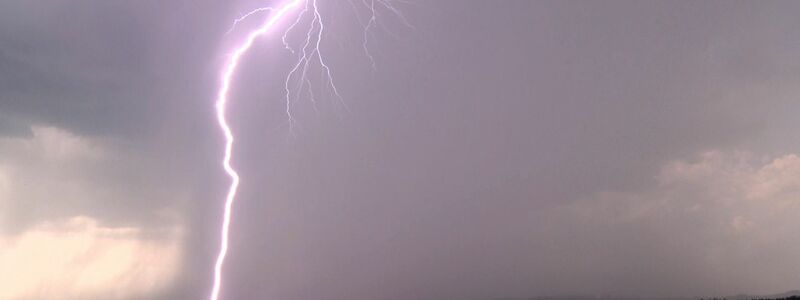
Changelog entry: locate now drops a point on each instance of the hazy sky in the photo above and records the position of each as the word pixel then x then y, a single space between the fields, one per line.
pixel 499 149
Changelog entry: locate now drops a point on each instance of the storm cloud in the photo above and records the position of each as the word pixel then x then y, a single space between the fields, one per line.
pixel 498 149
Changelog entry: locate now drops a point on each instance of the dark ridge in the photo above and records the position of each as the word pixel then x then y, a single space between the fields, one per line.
pixel 791 295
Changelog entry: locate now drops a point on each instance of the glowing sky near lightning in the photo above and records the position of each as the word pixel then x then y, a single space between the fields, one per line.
pixel 228 73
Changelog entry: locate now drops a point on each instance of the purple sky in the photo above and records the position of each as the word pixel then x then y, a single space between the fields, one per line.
pixel 500 149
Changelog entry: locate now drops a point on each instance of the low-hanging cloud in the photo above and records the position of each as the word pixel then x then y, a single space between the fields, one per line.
pixel 54 173
pixel 724 223
pixel 78 258
pixel 63 234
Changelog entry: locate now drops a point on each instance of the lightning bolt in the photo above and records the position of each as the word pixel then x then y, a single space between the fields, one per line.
pixel 222 100
pixel 308 54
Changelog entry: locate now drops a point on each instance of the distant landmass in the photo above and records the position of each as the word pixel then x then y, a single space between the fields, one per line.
pixel 791 295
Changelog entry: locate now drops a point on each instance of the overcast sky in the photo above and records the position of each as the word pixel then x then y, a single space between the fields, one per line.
pixel 498 149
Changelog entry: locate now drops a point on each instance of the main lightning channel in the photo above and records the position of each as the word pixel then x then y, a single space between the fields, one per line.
pixel 307 53
pixel 222 99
